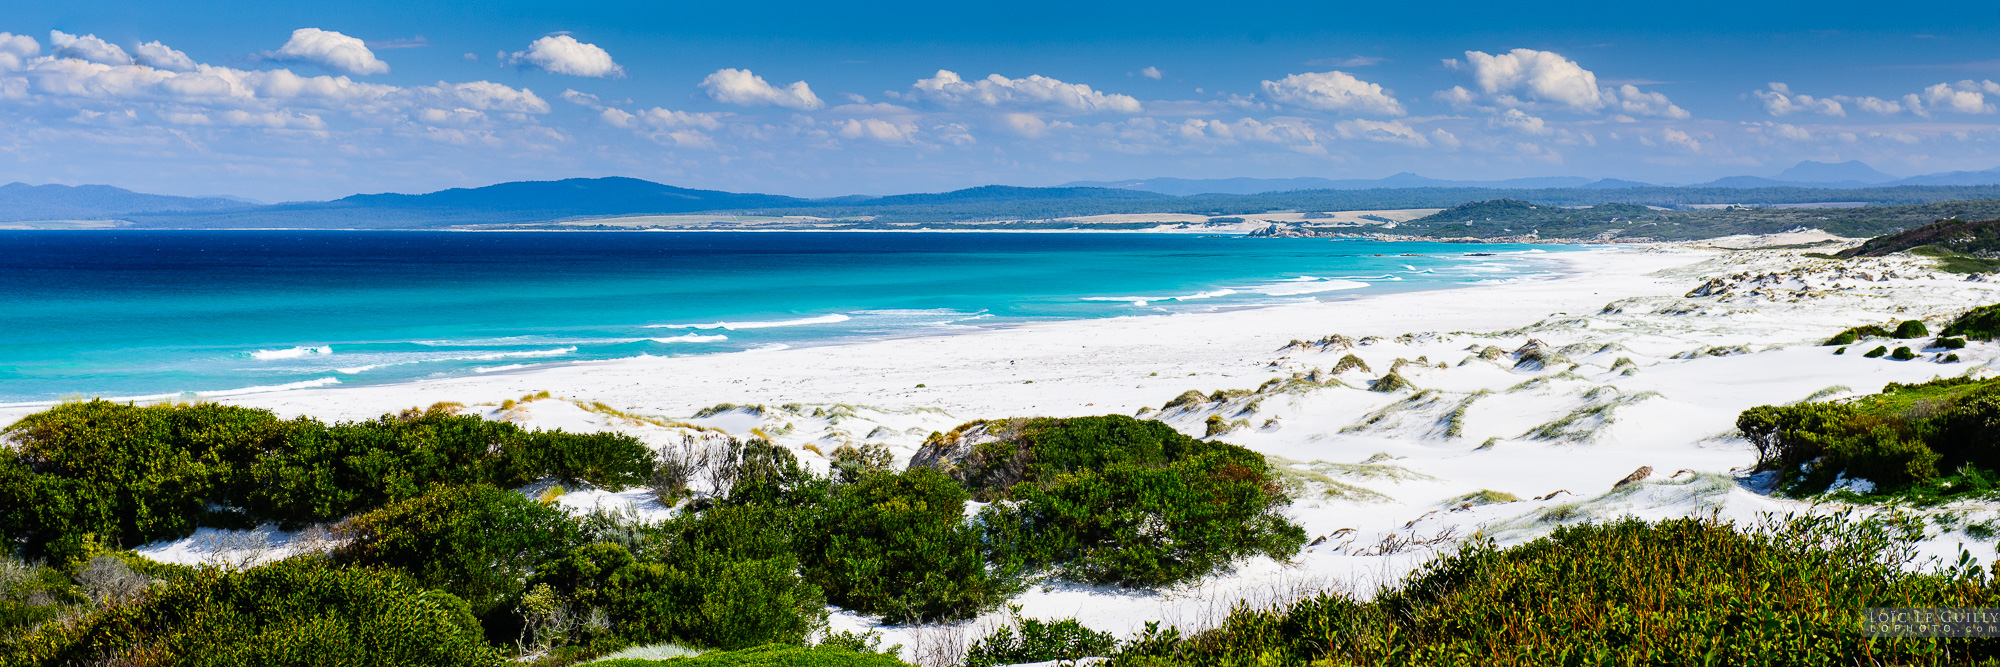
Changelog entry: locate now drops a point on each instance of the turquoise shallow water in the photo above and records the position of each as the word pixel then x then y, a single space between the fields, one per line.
pixel 149 313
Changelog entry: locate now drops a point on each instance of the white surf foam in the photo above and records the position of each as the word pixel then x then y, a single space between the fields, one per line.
pixel 308 384
pixel 1294 288
pixel 690 338
pixel 292 353
pixel 733 326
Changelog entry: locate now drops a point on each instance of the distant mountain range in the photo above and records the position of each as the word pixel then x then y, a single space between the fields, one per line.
pixel 583 198
pixel 1807 174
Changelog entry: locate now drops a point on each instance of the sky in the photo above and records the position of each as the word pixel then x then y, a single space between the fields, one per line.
pixel 322 100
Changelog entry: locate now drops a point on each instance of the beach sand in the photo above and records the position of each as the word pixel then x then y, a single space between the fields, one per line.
pixel 1634 373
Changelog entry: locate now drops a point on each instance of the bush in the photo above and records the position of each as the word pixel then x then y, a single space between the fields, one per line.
pixel 1849 336
pixel 302 611
pixel 1878 351
pixel 1907 435
pixel 97 470
pixel 1982 323
pixel 1136 525
pixel 1950 343
pixel 724 577
pixel 1912 329
pixel 1030 640
pixel 1684 591
pixel 1903 353
pixel 477 542
pixel 114 475
pixel 899 545
pixel 772 655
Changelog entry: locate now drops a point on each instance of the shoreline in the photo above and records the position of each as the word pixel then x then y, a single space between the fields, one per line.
pixel 1632 371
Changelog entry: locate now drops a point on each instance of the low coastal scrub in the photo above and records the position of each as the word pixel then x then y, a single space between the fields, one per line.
pixel 770 655
pixel 1026 640
pixel 1982 323
pixel 898 545
pixel 119 475
pixel 1930 438
pixel 302 611
pixel 1684 591
pixel 1116 500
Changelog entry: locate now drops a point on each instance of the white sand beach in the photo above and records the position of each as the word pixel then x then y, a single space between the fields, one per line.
pixel 1632 372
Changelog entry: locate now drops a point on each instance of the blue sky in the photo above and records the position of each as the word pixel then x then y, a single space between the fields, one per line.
pixel 320 100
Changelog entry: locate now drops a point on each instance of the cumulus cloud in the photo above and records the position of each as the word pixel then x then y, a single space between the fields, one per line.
pixel 161 56
pixel 1025 124
pixel 739 86
pixel 1682 139
pixel 1779 100
pixel 1394 131
pixel 1544 79
pixel 563 54
pixel 1034 91
pixel 1962 97
pixel 1332 91
pixel 329 49
pixel 1151 73
pixel 15 50
pixel 87 48
pixel 1790 131
pixel 1879 106
pixel 1541 76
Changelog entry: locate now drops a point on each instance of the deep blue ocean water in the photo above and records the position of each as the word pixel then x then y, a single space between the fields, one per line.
pixel 149 313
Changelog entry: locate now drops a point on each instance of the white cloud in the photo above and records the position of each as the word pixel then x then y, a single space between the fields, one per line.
pixel 1681 139
pixel 15 50
pixel 580 98
pixel 1034 91
pixel 483 95
pixel 1151 73
pixel 330 49
pixel 1355 61
pixel 1962 97
pixel 562 54
pixel 1790 131
pixel 272 119
pixel 1518 121
pixel 1547 80
pixel 1025 124
pixel 879 130
pixel 1445 139
pixel 161 56
pixel 739 86
pixel 1332 91
pixel 1393 131
pixel 1629 99
pixel 1542 76
pixel 1457 96
pixel 1779 100
pixel 1877 105
pixel 86 47
pixel 663 118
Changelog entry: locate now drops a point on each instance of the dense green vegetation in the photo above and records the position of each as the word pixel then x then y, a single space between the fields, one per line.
pixel 898 545
pixel 1031 640
pixel 1549 219
pixel 1683 591
pixel 1122 501
pixel 302 611
pixel 1980 238
pixel 1982 323
pixel 1935 439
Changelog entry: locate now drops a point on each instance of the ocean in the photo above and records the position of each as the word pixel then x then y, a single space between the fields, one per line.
pixel 154 314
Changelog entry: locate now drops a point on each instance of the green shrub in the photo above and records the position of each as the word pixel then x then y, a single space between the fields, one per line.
pixel 1682 591
pixel 898 545
pixel 1841 350
pixel 1849 336
pixel 478 542
pixel 1878 351
pixel 1031 640
pixel 1038 450
pixel 1903 353
pixel 1389 383
pixel 117 475
pixel 302 611
pixel 1982 323
pixel 1139 526
pixel 1912 329
pixel 97 470
pixel 772 655
pixel 724 577
pixel 1907 435
pixel 1950 343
